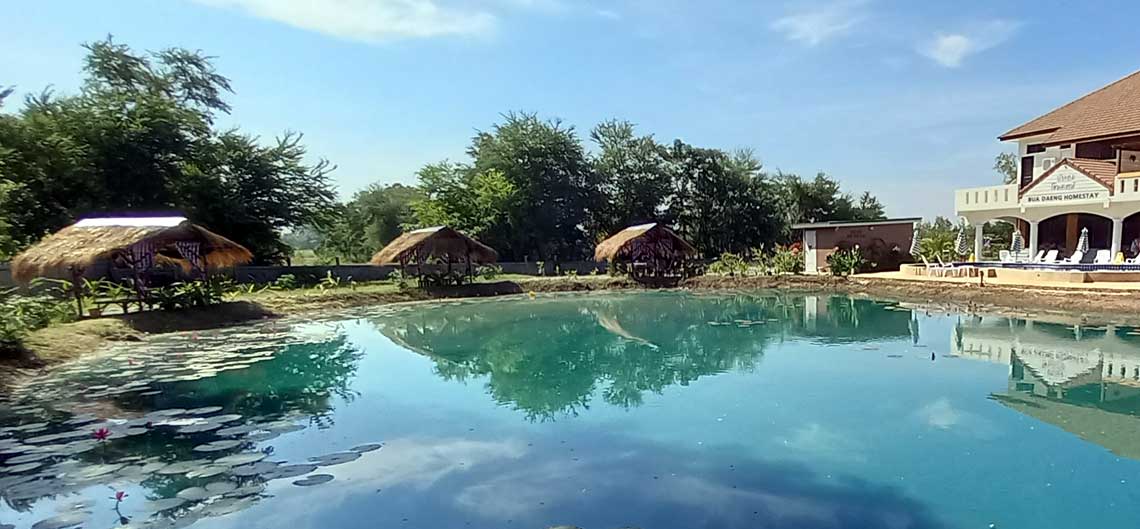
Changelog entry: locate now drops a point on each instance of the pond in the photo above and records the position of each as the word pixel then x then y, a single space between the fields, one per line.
pixel 651 410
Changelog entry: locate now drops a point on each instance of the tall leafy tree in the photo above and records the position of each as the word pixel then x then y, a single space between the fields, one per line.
pixel 868 208
pixel 373 218
pixel 555 189
pixel 1005 164
pixel 633 176
pixel 139 137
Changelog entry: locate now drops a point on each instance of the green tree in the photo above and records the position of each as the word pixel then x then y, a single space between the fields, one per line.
pixel 555 192
pixel 868 208
pixel 1006 165
pixel 139 136
pixel 721 202
pixel 373 218
pixel 633 176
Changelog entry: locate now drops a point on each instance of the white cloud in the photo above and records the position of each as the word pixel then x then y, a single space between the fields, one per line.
pixel 952 49
pixel 940 414
pixel 608 13
pixel 814 26
pixel 368 20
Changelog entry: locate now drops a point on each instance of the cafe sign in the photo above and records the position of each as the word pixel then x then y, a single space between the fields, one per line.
pixel 1064 185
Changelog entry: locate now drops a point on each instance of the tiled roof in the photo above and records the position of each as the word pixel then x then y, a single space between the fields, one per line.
pixel 1110 111
pixel 1103 170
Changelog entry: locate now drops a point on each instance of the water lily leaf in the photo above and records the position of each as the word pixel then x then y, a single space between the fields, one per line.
pixel 207 472
pixel 288 471
pixel 63 521
pixel 193 494
pixel 217 446
pixel 221 487
pixel 244 458
pixel 338 458
pixel 366 447
pixel 254 469
pixel 164 504
pixel 315 479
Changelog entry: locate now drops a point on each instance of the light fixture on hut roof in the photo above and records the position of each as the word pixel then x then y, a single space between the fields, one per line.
pixel 139 239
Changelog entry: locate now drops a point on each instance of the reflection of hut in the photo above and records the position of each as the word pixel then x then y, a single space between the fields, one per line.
pixel 440 248
pixel 650 253
pixel 138 244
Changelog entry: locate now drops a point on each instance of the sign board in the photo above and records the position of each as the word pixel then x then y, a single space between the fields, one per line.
pixel 1065 186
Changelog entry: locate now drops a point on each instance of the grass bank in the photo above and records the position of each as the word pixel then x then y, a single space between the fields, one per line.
pixel 61 343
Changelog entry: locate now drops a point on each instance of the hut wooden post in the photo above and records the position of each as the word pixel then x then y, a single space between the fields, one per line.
pixel 76 289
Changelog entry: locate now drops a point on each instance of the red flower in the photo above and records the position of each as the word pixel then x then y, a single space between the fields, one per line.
pixel 102 434
pixel 120 495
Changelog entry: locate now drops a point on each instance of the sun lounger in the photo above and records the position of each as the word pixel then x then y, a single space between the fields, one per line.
pixel 1037 258
pixel 935 270
pixel 1075 258
pixel 1050 257
pixel 1103 257
pixel 1005 256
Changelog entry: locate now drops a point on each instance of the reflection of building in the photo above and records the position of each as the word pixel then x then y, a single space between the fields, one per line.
pixel 1083 380
pixel 845 319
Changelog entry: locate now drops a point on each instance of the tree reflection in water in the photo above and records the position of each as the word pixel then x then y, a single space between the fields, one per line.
pixel 550 356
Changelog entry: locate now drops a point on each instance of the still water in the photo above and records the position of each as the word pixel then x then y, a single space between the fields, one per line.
pixel 649 410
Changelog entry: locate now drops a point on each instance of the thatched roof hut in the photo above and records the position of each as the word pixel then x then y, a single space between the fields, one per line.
pixel 135 240
pixel 644 243
pixel 439 242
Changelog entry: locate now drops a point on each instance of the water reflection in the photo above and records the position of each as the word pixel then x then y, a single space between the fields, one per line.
pixel 184 421
pixel 549 357
pixel 1083 379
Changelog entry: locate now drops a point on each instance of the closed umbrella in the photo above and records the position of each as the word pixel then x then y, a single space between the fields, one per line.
pixel 914 249
pixel 1083 242
pixel 1016 245
pixel 960 245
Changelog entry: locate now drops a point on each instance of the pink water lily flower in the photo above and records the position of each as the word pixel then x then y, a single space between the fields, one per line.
pixel 101 434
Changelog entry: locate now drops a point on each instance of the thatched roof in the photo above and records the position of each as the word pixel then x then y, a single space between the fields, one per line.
pixel 92 240
pixel 665 242
pixel 440 242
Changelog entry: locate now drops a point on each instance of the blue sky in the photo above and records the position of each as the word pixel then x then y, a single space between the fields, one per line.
pixel 901 98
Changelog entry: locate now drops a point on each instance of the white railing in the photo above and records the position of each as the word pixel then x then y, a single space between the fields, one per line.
pixel 986 198
pixel 1126 189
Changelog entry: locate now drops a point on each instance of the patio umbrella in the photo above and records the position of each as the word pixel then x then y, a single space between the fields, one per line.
pixel 1016 245
pixel 914 249
pixel 961 245
pixel 1083 242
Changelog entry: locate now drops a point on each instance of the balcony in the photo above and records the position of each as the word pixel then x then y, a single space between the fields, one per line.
pixel 986 198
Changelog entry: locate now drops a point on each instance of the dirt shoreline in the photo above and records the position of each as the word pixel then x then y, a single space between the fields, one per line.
pixel 59 344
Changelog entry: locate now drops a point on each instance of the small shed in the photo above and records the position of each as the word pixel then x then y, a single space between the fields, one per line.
pixel 649 253
pixel 440 248
pixel 96 246
pixel 883 242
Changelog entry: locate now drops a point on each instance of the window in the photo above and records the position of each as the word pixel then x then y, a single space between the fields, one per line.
pixel 1066 146
pixel 1031 149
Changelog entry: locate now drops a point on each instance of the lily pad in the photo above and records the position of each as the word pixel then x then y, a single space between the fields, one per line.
pixel 244 458
pixel 220 419
pixel 364 448
pixel 217 446
pixel 338 458
pixel 28 458
pixel 193 494
pixel 288 471
pixel 20 469
pixel 207 410
pixel 237 430
pixel 207 472
pixel 199 428
pixel 221 487
pixel 254 469
pixel 315 479
pixel 63 521
pixel 164 504
pixel 248 490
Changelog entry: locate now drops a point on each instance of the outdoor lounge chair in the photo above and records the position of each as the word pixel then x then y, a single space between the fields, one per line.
pixel 1005 256
pixel 1050 257
pixel 1103 257
pixel 935 270
pixel 1037 258
pixel 1075 258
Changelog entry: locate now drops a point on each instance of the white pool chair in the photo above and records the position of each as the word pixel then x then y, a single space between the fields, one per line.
pixel 1103 257
pixel 1050 257
pixel 1075 258
pixel 1037 258
pixel 1005 256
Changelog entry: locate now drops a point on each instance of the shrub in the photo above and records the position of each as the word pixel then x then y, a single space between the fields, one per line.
pixel 20 315
pixel 728 263
pixel 787 260
pixel 285 282
pixel 399 278
pixel 189 294
pixel 489 272
pixel 845 262
pixel 541 267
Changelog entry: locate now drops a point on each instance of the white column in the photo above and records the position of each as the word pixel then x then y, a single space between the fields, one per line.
pixel 978 240
pixel 1033 237
pixel 1117 234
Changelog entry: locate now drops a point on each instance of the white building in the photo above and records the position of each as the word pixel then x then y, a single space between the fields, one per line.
pixel 1079 168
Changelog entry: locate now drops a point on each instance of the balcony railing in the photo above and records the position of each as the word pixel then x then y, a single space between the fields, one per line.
pixel 985 198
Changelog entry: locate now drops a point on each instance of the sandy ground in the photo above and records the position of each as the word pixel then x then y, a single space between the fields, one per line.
pixel 1059 302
